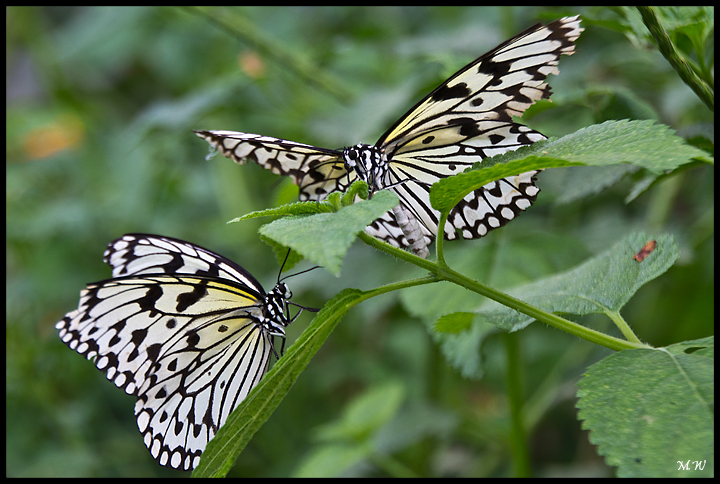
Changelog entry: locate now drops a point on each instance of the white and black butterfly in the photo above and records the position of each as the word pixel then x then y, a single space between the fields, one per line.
pixel 464 120
pixel 185 330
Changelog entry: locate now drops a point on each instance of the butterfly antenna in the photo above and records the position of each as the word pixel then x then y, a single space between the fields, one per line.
pixel 282 266
pixel 298 273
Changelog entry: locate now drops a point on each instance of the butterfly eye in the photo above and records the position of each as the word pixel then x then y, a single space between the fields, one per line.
pixel 350 156
pixel 284 291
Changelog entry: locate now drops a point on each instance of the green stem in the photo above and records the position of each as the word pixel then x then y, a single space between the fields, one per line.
pixel 623 326
pixel 394 286
pixel 439 240
pixel 686 73
pixel 518 440
pixel 399 253
pixel 550 319
pixel 442 272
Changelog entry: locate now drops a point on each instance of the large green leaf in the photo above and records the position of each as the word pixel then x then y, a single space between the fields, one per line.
pixel 652 410
pixel 651 146
pixel 601 285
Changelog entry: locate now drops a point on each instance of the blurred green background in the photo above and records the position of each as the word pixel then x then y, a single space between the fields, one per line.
pixel 100 104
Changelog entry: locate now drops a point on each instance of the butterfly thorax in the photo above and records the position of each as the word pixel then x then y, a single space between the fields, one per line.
pixel 370 164
pixel 275 308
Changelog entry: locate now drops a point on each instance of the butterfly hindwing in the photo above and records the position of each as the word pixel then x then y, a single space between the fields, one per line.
pixel 185 330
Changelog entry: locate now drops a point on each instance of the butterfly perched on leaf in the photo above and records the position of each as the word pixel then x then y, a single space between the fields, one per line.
pixel 464 120
pixel 185 330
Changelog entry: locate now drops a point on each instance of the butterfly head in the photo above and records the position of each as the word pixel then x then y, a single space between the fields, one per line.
pixel 369 163
pixel 283 291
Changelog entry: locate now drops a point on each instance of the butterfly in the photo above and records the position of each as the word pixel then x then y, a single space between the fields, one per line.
pixel 464 120
pixel 185 330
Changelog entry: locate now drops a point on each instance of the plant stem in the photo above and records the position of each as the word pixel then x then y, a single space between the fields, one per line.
pixel 518 440
pixel 550 319
pixel 667 49
pixel 623 326
pixel 442 272
pixel 439 240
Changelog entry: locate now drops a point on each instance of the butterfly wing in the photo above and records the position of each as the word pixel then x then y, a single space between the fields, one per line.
pixel 185 331
pixel 482 210
pixel 496 86
pixel 468 118
pixel 317 171
pixel 136 254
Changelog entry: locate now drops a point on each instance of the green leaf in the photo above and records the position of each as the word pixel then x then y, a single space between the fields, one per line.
pixel 249 416
pixel 332 460
pixel 651 146
pixel 324 238
pixel 454 323
pixel 704 346
pixel 602 284
pixel 297 208
pixel 579 183
pixel 647 410
pixel 462 350
pixel 358 188
pixel 366 414
pixel 281 253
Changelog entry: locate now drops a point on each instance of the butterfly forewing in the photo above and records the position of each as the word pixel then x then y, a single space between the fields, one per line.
pixel 317 171
pixel 498 85
pixel 185 330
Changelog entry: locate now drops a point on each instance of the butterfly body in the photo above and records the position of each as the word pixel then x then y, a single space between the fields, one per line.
pixel 466 119
pixel 185 330
pixel 369 164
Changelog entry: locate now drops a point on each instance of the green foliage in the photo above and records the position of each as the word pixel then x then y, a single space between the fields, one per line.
pixel 366 413
pixel 100 107
pixel 374 423
pixel 454 323
pixel 642 406
pixel 601 285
